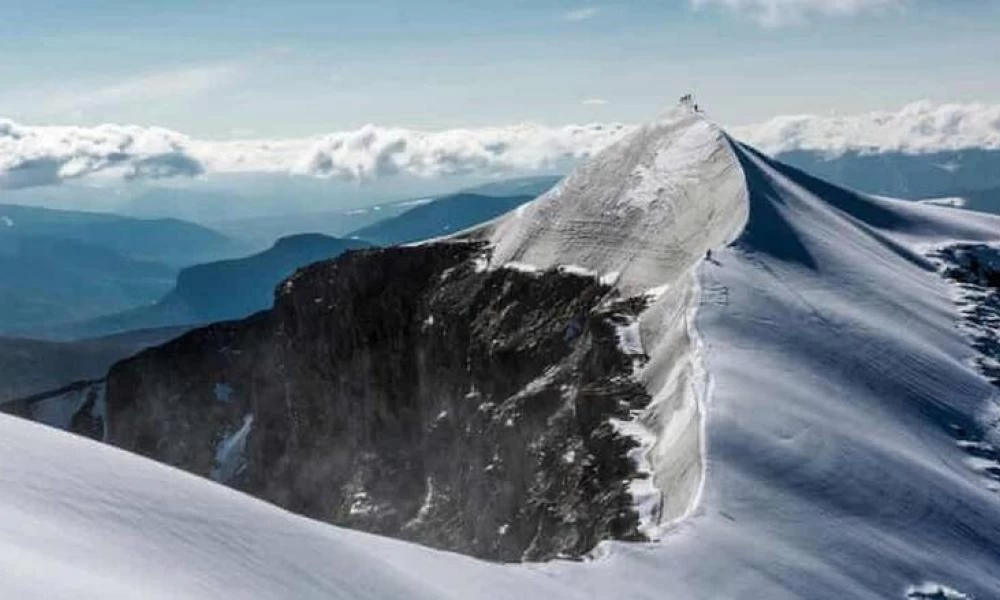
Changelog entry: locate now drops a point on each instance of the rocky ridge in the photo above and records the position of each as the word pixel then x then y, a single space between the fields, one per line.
pixel 408 392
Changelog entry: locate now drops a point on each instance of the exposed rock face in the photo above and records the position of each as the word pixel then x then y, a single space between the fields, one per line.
pixel 412 393
pixel 975 268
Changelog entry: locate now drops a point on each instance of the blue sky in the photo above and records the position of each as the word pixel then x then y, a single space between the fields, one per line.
pixel 254 68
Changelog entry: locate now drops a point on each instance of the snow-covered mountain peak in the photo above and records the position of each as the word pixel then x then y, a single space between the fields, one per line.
pixel 818 424
pixel 640 212
pixel 818 311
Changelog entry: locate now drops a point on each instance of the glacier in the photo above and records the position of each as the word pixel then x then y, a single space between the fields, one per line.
pixel 809 380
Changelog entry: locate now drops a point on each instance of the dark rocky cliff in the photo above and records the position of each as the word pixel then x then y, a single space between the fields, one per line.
pixel 407 392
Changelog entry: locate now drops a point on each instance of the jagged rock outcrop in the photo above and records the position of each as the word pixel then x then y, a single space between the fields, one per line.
pixel 975 269
pixel 408 392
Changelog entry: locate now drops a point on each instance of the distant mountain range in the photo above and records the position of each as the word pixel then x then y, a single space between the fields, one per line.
pixel 349 222
pixel 235 288
pixel 168 241
pixel 979 200
pixel 59 266
pixel 441 217
pixel 903 175
pixel 982 200
pixel 218 291
pixel 46 280
pixel 519 186
pixel 334 223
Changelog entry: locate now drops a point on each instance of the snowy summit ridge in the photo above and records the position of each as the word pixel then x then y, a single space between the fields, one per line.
pixel 642 215
pixel 646 208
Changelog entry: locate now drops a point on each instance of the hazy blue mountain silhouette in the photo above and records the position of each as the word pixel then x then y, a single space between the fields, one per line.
pixel 46 280
pixel 262 231
pixel 900 175
pixel 346 222
pixel 439 217
pixel 521 186
pixel 219 291
pixel 169 241
pixel 981 200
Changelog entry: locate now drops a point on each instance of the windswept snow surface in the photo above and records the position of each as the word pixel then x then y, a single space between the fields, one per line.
pixel 646 208
pixel 838 374
pixel 808 381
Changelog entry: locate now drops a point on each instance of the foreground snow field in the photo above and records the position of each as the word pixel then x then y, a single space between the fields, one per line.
pixel 814 404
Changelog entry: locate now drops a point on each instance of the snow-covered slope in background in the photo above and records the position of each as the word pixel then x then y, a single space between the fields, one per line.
pixel 813 407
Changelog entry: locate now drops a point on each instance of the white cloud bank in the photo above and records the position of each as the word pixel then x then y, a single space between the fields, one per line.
pixel 39 155
pixel 918 128
pixel 373 152
pixel 783 12
pixel 45 155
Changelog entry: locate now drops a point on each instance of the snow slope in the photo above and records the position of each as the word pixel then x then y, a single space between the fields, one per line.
pixel 82 520
pixel 840 379
pixel 813 400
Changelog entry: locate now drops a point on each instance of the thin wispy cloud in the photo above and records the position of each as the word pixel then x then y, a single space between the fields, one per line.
pixel 581 14
pixel 168 85
pixel 774 13
pixel 595 102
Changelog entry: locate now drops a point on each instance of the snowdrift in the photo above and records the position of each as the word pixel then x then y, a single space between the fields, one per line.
pixel 814 407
